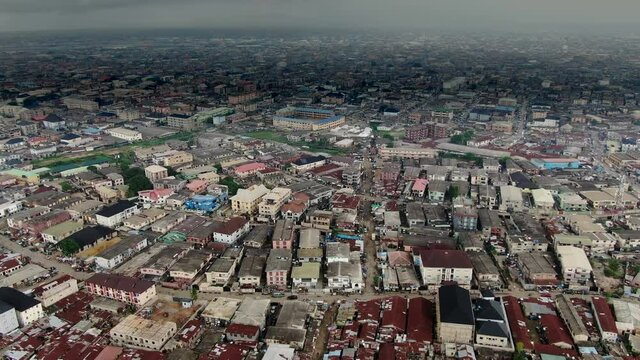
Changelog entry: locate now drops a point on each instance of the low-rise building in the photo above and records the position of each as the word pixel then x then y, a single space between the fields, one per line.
pixel 443 266
pixel 246 201
pixel 284 235
pixel 124 134
pixel 113 215
pixel 278 267
pixel 576 268
pixel 56 290
pixel 231 230
pixel 144 333
pixel 306 275
pixel 60 231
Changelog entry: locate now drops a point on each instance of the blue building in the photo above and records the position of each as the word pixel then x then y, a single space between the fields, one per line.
pixel 206 203
pixel 556 163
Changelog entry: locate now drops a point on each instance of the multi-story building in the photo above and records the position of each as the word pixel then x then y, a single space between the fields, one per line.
pixel 443 266
pixel 278 267
pixel 246 201
pixel 271 203
pixel 307 163
pixel 576 268
pixel 187 122
pixel 251 271
pixel 121 288
pixel 454 315
pixel 27 309
pixel 113 215
pixel 417 133
pixel 510 198
pixel 319 219
pixel 56 290
pixel 406 152
pixel 284 235
pixel 155 172
pixel 465 218
pixel 230 231
pixel 144 333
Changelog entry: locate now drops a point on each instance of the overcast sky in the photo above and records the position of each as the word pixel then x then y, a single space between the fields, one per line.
pixel 19 15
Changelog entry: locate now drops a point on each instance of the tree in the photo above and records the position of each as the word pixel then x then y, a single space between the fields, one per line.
pixel 66 186
pixel 218 168
pixel 132 172
pixel 68 246
pixel 92 168
pixel 462 139
pixel 138 183
pixel 171 171
pixel 452 193
pixel 231 184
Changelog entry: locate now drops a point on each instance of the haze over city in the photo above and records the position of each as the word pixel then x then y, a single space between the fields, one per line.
pixel 500 15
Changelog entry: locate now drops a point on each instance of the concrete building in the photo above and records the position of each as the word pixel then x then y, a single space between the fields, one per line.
pixel 246 201
pixel 511 198
pixel 278 267
pixel 231 230
pixel 492 329
pixel 61 231
pixel 27 309
pixel 155 172
pixel 576 268
pixel 272 202
pixel 454 315
pixel 56 290
pixel 124 134
pixel 113 215
pixel 251 270
pixel 143 333
pixel 443 266
pixel 8 318
pixel 306 275
pixel 121 288
pixel 543 199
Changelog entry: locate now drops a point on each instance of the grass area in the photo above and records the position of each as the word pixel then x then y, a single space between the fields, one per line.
pixel 63 159
pixel 310 146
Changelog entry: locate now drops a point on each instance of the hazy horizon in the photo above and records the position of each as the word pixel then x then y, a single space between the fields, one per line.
pixel 590 16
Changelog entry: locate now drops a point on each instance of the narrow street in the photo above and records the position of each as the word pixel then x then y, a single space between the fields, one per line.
pixel 323 337
pixel 367 221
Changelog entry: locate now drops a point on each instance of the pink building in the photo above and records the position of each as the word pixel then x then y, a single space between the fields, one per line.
pixel 249 169
pixel 197 186
pixel 419 187
pixel 157 196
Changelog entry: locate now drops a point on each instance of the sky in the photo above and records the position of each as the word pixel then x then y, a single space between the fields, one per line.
pixel 509 15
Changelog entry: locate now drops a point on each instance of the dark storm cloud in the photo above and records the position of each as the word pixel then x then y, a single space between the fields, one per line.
pixel 381 14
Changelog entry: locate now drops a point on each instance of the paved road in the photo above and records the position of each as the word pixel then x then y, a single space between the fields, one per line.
pixel 367 220
pixel 41 259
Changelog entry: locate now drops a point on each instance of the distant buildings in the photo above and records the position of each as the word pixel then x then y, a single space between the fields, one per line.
pixel 296 118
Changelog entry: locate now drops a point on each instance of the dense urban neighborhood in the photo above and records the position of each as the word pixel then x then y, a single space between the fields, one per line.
pixel 361 197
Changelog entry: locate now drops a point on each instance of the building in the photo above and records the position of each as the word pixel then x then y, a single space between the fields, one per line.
pixel 604 318
pixel 124 134
pixel 231 230
pixel 143 333
pixel 246 201
pixel 278 267
pixel 570 201
pixel 155 172
pixel 251 270
pixel 538 268
pixel 113 215
pixel 80 103
pixel 56 290
pixel 307 163
pixel 407 152
pixel 511 198
pixel 284 235
pixel 465 218
pixel 492 329
pixel 444 266
pixel 27 309
pixel 454 315
pixel 8 318
pixel 246 170
pixel 556 163
pixel 306 275
pixel 126 289
pixel 345 276
pixel 271 203
pixel 121 251
pixel 297 118
pixel 185 122
pixel 543 199
pixel 576 268
pixel 319 219
pixel 60 231
pixel 572 319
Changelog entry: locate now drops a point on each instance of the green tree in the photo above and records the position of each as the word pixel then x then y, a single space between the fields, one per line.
pixel 171 171
pixel 68 246
pixel 462 139
pixel 93 169
pixel 132 172
pixel 138 183
pixel 231 184
pixel 218 168
pixel 66 186
pixel 452 193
